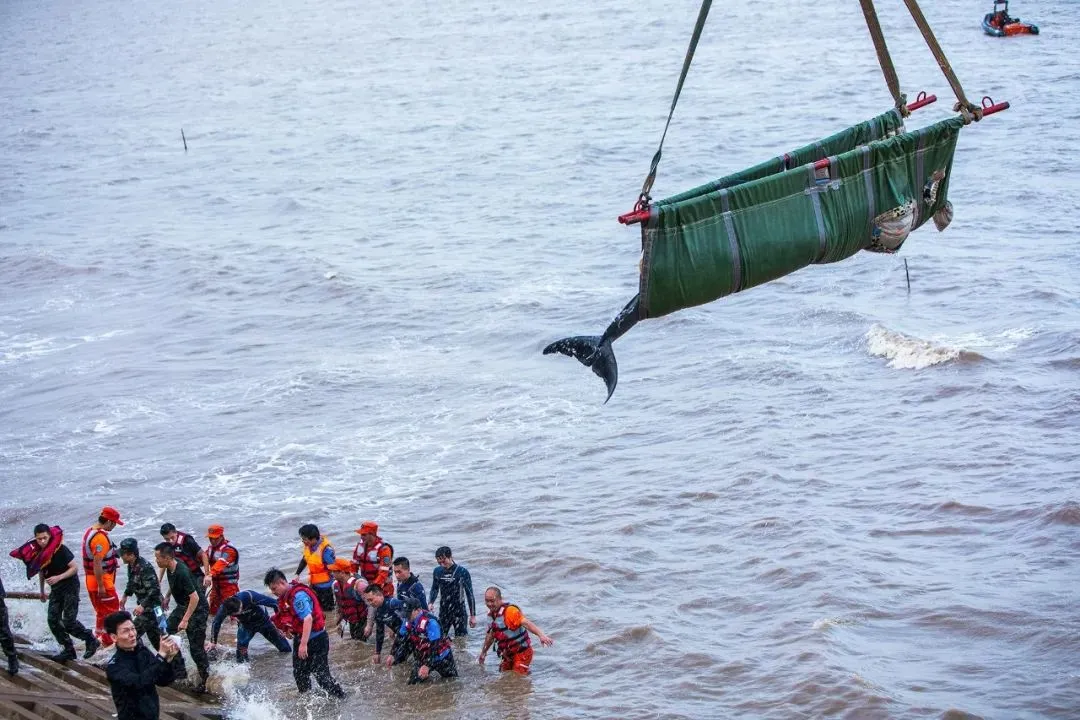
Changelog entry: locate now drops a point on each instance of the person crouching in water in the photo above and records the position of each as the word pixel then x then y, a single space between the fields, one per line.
pixel 135 671
pixel 425 641
pixel 509 630
pixel 348 593
pixel 247 607
pixel 300 616
pixel 382 616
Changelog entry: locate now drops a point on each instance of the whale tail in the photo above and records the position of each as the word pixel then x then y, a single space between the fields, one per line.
pixel 592 351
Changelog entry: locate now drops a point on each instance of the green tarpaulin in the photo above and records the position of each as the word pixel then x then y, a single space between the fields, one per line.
pixel 777 217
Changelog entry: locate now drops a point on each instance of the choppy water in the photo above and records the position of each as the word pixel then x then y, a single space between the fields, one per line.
pixel 823 497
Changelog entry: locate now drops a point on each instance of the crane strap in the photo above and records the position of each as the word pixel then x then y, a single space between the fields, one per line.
pixel 967 110
pixel 646 187
pixel 884 59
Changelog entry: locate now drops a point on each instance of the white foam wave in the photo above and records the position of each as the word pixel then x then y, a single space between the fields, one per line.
pixel 910 353
pixel 907 353
pixel 16 348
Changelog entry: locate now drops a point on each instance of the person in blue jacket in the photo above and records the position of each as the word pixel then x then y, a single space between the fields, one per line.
pixel 247 607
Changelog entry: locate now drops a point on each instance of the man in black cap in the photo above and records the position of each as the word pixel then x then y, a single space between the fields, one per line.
pixel 148 615
pixel 7 642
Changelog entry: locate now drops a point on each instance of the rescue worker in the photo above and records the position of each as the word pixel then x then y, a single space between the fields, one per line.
pixel 425 641
pixel 348 589
pixel 135 671
pixel 408 584
pixel 373 557
pixel 509 630
pixel 301 617
pixel 318 557
pixel 191 612
pixel 223 580
pixel 382 616
pixel 7 641
pixel 452 584
pixel 99 564
pixel 142 584
pixel 186 549
pixel 247 607
pixel 61 573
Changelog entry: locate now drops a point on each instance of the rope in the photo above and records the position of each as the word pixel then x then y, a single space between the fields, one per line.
pixel 884 59
pixel 966 109
pixel 646 187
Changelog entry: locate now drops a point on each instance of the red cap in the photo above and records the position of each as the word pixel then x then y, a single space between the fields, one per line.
pixel 215 531
pixel 368 527
pixel 111 513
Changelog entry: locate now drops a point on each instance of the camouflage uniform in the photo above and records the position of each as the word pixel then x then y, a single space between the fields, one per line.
pixel 143 584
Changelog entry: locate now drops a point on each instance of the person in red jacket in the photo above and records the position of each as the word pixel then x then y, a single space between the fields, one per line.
pixel 300 616
pixel 224 577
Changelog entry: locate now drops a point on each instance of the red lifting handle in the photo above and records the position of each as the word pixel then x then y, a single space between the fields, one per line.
pixel 637 216
pixel 989 107
pixel 921 100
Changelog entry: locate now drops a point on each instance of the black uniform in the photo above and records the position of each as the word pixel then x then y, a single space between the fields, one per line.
pixel 454 589
pixel 133 678
pixel 181 585
pixel 143 584
pixel 7 642
pixel 64 602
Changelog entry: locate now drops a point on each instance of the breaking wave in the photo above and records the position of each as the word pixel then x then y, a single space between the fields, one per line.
pixel 910 353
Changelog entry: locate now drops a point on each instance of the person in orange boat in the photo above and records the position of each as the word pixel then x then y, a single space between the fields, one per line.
pixel 509 631
pixel 224 577
pixel 99 564
pixel 374 557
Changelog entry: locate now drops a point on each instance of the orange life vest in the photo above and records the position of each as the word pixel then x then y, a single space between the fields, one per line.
pixel 231 572
pixel 507 640
pixel 318 573
pixel 109 562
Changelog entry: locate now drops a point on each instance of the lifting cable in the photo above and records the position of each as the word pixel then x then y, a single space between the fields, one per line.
pixel 966 109
pixel 646 188
pixel 884 59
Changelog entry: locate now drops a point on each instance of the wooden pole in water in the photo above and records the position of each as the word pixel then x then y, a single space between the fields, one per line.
pixel 908 276
pixel 19 595
pixel 183 138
